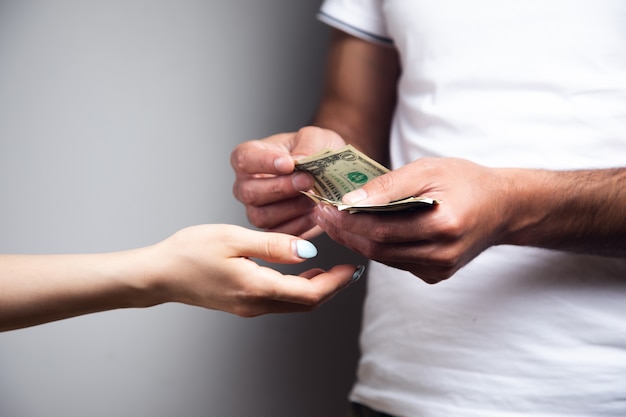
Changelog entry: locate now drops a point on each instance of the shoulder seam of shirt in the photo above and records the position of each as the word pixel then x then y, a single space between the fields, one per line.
pixel 353 29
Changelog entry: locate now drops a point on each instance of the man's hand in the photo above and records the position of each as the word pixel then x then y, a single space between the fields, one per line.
pixel 267 184
pixel 435 242
pixel 578 211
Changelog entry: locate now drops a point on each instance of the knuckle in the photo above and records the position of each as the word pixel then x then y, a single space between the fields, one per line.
pixel 272 247
pixel 246 311
pixel 312 298
pixel 309 130
pixel 280 187
pixel 371 250
pixel 381 232
pixel 429 279
pixel 249 302
pixel 257 217
pixel 237 158
pixel 447 259
pixel 312 132
pixel 435 276
pixel 433 279
pixel 385 182
pixel 272 190
pixel 451 228
pixel 245 193
pixel 431 166
pixel 454 227
pixel 237 187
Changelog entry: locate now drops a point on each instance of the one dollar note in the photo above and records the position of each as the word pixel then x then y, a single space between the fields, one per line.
pixel 337 172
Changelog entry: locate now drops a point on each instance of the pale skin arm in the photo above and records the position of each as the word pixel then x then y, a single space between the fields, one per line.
pixel 206 266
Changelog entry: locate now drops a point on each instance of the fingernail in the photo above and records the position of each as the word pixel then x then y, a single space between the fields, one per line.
pixel 305 249
pixel 355 196
pixel 357 274
pixel 329 209
pixel 324 212
pixel 302 181
pixel 283 164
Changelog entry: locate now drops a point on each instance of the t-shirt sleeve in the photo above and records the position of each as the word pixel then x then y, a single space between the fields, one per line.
pixel 361 18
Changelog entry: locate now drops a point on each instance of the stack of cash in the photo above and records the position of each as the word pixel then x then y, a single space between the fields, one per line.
pixel 339 171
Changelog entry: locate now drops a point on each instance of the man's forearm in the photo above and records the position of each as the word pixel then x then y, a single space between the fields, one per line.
pixel 359 95
pixel 581 211
pixel 373 140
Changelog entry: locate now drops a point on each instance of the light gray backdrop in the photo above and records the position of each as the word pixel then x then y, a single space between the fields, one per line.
pixel 117 119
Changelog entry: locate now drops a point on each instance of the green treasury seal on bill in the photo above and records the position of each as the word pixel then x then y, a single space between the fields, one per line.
pixel 337 172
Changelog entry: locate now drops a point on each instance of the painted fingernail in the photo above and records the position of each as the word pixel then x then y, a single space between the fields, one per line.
pixel 305 249
pixel 357 274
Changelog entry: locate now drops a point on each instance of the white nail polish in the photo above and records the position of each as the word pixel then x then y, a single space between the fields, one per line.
pixel 305 249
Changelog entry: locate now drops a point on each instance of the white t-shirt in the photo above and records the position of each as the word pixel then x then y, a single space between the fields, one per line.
pixel 519 331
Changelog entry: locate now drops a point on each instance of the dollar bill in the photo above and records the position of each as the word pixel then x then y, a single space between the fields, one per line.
pixel 337 172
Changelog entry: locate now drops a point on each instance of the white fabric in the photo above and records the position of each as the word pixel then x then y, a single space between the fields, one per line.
pixel 518 331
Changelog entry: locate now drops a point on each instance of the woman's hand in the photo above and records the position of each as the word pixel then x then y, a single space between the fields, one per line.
pixel 211 266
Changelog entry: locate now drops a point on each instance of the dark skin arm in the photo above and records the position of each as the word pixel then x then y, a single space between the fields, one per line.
pixel 579 211
pixel 357 106
pixel 359 94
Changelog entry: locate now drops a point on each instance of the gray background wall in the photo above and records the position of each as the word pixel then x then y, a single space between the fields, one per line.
pixel 117 119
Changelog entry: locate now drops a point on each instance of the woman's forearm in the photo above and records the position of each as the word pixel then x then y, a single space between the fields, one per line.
pixel 40 288
pixel 206 265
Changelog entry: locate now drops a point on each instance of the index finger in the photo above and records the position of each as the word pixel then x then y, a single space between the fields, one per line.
pixel 268 156
pixel 311 139
pixel 271 246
